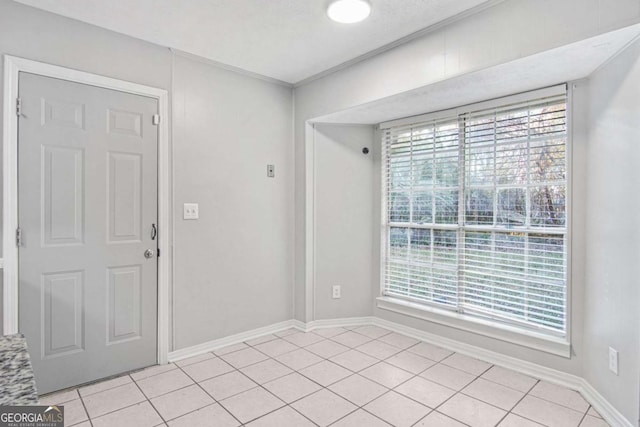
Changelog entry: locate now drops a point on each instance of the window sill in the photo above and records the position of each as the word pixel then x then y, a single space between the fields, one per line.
pixel 530 339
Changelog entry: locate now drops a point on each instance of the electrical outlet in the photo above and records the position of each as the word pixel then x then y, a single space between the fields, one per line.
pixel 190 211
pixel 335 292
pixel 613 360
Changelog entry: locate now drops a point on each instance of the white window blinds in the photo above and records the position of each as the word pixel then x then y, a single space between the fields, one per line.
pixel 475 210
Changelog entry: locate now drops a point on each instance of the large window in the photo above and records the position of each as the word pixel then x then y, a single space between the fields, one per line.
pixel 475 215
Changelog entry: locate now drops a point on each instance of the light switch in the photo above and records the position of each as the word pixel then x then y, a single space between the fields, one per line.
pixel 190 211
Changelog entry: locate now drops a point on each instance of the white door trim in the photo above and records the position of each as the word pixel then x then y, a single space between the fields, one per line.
pixel 12 67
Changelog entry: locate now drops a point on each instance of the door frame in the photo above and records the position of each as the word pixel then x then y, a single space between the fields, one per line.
pixel 12 67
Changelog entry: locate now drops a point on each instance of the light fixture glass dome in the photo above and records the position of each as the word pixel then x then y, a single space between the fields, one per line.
pixel 349 11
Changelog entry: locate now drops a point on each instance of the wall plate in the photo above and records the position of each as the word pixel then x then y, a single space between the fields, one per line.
pixel 191 211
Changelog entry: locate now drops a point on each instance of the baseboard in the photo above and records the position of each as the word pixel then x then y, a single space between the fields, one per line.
pixel 199 349
pixel 574 382
pixel 602 405
pixel 336 323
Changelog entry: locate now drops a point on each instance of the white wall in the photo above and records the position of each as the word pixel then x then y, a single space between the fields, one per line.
pixel 344 202
pixel 510 30
pixel 233 267
pixel 613 235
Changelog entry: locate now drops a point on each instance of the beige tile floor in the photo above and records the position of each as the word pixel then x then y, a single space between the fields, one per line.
pixel 343 377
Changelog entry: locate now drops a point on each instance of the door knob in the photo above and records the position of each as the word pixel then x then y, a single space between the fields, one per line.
pixel 148 253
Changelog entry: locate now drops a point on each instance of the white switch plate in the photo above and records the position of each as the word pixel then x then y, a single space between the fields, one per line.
pixel 335 292
pixel 613 360
pixel 191 211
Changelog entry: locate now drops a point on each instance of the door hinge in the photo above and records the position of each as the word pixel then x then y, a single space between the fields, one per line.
pixel 158 253
pixel 156 119
pixel 18 106
pixel 18 237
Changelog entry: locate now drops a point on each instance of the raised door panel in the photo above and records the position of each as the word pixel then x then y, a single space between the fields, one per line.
pixel 63 313
pixel 63 191
pixel 125 197
pixel 124 123
pixel 62 113
pixel 124 302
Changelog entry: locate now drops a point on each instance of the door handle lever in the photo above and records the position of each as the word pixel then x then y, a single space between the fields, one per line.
pixel 154 232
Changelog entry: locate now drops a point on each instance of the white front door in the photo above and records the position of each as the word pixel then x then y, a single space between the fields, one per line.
pixel 88 208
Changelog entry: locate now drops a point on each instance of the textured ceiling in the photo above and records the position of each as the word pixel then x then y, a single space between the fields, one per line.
pixel 289 40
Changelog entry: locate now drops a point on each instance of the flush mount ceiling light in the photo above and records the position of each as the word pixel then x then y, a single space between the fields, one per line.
pixel 349 11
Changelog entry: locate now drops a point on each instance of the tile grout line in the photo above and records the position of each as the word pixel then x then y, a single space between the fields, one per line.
pixel 517 403
pixel 358 408
pixel 560 404
pixel 85 408
pixel 162 394
pixel 301 414
pixel 461 391
pixel 487 403
pixel 504 385
pixel 444 415
pixel 115 410
pixel 150 402
pixel 208 394
pixel 444 401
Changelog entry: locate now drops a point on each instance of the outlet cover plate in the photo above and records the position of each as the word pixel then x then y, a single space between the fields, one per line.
pixel 191 211
pixel 335 292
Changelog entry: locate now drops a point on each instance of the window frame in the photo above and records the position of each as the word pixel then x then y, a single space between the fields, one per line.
pixel 513 332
